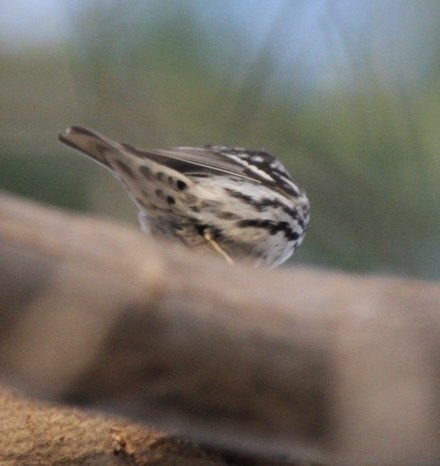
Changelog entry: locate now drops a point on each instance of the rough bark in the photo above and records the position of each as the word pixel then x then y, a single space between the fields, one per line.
pixel 40 433
pixel 296 362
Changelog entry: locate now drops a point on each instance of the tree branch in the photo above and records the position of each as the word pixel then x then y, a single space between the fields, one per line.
pixel 300 362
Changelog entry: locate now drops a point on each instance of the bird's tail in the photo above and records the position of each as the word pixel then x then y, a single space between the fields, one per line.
pixel 90 143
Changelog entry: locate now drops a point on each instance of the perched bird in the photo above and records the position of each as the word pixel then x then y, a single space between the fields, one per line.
pixel 241 203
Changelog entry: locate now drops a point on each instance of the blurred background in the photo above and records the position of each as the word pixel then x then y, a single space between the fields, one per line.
pixel 346 93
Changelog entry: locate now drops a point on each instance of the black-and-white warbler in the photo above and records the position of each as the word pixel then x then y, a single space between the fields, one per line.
pixel 242 204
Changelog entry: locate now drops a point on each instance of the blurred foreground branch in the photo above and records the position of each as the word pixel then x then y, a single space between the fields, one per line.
pixel 298 362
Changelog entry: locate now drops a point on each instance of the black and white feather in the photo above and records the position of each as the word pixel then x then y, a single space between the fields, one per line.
pixel 244 204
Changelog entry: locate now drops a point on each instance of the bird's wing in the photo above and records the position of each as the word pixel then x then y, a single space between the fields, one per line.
pixel 186 160
pixel 195 160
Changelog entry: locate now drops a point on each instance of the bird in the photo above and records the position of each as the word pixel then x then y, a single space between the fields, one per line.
pixel 241 204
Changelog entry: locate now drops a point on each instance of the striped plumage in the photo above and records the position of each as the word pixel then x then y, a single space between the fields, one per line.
pixel 242 204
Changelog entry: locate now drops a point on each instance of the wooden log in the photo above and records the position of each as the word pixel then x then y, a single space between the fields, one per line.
pixel 297 362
